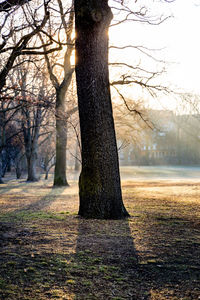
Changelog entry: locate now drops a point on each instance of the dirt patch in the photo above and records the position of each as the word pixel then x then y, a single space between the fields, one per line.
pixel 47 252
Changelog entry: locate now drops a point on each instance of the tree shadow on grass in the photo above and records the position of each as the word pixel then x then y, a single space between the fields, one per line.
pixel 89 259
pixel 105 259
pixel 4 188
pixel 82 259
pixel 166 266
pixel 35 204
pixel 70 259
pixel 44 201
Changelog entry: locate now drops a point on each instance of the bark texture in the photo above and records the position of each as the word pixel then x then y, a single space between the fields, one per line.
pixel 99 182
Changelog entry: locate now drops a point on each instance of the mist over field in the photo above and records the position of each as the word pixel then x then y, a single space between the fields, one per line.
pixel 152 173
pixel 159 172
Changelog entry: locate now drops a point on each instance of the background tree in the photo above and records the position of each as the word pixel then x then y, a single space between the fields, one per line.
pixel 35 104
pixel 64 70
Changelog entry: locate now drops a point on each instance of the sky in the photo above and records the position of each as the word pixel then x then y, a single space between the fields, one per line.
pixel 177 37
pixel 183 44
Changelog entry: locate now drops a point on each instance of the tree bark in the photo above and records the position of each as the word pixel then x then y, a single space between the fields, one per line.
pixel 99 182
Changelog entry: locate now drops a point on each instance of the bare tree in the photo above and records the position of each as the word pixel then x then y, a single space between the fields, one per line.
pixel 61 86
pixel 35 104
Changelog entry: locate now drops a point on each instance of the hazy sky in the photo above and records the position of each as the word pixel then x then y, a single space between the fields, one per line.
pixel 183 42
pixel 178 37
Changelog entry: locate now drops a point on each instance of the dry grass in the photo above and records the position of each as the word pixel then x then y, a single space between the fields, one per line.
pixel 47 252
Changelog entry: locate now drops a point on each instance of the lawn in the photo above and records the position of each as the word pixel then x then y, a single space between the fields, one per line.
pixel 47 252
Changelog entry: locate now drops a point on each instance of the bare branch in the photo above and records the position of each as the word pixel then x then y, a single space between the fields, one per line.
pixel 133 110
pixel 5 6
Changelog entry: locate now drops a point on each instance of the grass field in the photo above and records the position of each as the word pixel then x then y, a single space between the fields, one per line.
pixel 47 252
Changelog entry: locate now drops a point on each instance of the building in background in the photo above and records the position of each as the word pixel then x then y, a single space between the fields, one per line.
pixel 172 140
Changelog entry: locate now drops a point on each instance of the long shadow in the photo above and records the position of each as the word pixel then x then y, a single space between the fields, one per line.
pixel 33 210
pixel 106 262
pixel 71 259
pixel 95 259
pixel 4 188
pixel 44 201
pixel 107 265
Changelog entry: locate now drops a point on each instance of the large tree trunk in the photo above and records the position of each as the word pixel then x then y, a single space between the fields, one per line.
pixel 60 178
pixel 99 182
